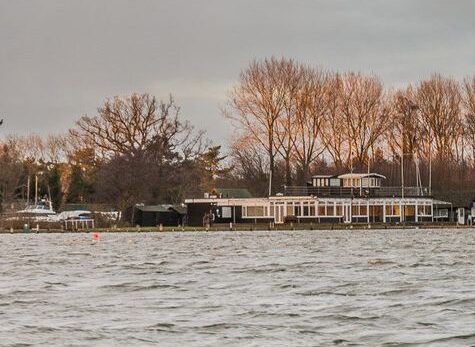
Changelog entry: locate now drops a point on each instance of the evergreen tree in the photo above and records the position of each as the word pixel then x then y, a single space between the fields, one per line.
pixel 54 185
pixel 79 188
pixel 212 163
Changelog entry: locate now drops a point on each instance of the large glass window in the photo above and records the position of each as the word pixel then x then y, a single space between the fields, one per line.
pixel 290 209
pixel 388 210
pixel 321 210
pixel 297 210
pixel 363 210
pixel 409 210
pixel 428 210
pixel 396 210
pixel 255 211
pixel 393 210
pixel 420 210
pixel 312 209
pixel 339 210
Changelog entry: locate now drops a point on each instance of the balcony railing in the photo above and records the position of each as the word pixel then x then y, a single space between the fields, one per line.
pixel 349 192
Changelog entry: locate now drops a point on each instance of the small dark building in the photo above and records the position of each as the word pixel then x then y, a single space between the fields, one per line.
pixel 199 214
pixel 166 215
pixel 460 209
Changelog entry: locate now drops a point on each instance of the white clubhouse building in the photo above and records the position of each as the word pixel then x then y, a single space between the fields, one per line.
pixel 347 198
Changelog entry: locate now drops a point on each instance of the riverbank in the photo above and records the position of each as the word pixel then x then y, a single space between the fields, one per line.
pixel 247 227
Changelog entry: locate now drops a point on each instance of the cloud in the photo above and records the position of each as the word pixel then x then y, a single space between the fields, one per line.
pixel 60 59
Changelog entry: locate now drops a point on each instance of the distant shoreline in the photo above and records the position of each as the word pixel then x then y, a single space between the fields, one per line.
pixel 247 227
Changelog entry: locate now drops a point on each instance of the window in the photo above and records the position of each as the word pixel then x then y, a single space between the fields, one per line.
pixel 290 209
pixel 255 211
pixel 392 210
pixel 321 210
pixel 339 210
pixel 428 210
pixel 409 210
pixel 388 210
pixel 330 210
pixel 297 210
pixel 363 210
pixel 226 212
pixel 396 210
pixel 312 209
pixel 334 182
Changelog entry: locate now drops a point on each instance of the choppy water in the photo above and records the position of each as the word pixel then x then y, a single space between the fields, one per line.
pixel 315 288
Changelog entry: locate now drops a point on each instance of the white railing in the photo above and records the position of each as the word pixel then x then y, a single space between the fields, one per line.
pixel 78 224
pixel 356 191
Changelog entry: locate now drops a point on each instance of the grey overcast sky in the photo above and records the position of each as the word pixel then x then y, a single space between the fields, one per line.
pixel 59 59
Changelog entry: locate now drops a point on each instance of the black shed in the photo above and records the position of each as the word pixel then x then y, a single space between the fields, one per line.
pixel 166 215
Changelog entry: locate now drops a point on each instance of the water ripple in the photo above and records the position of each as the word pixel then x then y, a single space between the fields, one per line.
pixel 315 288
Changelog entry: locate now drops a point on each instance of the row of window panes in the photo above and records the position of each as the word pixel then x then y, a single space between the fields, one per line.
pixel 255 211
pixel 308 209
pixel 395 210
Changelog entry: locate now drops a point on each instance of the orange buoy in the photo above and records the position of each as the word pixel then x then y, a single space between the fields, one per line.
pixel 95 236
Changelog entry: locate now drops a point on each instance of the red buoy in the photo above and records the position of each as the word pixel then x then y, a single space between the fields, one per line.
pixel 95 236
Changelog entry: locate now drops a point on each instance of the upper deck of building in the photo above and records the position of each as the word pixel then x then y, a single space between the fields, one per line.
pixel 355 185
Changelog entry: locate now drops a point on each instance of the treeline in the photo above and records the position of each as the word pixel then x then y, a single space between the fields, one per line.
pixel 295 120
pixel 135 150
pixel 292 121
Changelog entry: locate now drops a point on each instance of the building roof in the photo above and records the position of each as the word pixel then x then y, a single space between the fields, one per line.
pixel 324 176
pixel 456 198
pixel 234 192
pixel 362 175
pixel 161 208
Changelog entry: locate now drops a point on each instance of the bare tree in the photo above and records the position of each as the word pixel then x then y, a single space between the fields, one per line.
pixel 356 118
pixel 469 110
pixel 439 101
pixel 334 134
pixel 312 106
pixel 405 134
pixel 125 126
pixel 258 101
pixel 286 131
pixel 365 113
pixel 251 163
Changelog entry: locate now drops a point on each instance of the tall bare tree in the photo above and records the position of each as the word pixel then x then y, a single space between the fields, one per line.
pixel 258 101
pixel 311 108
pixel 469 110
pixel 406 133
pixel 334 134
pixel 439 101
pixel 365 113
pixel 286 125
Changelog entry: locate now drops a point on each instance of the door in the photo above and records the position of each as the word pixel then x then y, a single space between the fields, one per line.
pixel 279 213
pixel 347 213
pixel 461 216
